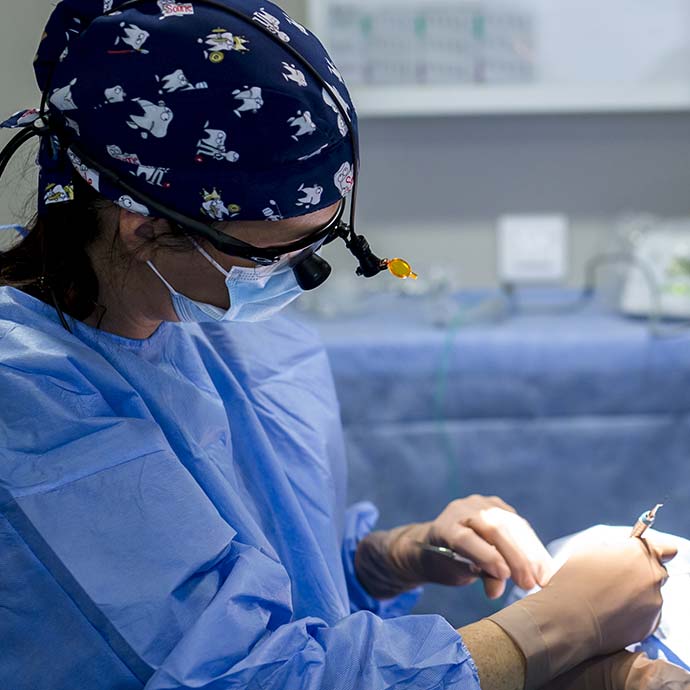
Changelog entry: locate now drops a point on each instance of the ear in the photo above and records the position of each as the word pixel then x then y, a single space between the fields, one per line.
pixel 138 233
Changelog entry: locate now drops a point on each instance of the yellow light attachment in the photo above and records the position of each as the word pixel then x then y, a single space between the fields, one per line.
pixel 401 269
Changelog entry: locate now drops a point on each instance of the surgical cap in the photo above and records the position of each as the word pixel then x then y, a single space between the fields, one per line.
pixel 196 108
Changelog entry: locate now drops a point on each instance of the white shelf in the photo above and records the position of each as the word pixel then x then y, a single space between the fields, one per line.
pixel 419 101
pixel 608 66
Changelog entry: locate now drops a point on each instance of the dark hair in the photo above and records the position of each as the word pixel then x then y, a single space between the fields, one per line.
pixel 52 263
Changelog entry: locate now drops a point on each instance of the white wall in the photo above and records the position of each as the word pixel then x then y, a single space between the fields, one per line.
pixel 432 188
pixel 295 8
pixel 20 32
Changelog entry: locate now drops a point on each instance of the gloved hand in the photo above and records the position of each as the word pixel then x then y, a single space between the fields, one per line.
pixel 623 671
pixel 598 603
pixel 484 529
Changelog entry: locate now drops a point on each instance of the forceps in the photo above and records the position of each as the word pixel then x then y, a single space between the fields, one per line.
pixel 452 555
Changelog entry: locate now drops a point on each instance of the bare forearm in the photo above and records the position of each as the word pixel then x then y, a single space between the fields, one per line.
pixel 500 663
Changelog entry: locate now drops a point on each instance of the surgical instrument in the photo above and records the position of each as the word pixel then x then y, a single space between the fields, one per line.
pixel 452 555
pixel 645 521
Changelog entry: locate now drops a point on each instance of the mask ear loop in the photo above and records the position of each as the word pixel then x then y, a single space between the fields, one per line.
pixel 208 257
pixel 171 289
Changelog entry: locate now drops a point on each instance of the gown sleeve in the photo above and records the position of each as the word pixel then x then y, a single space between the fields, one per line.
pixel 360 520
pixel 109 525
pixel 203 610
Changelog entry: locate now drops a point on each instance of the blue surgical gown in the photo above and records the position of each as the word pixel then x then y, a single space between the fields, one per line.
pixel 172 515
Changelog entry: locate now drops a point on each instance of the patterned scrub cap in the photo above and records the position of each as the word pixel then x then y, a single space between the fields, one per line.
pixel 198 109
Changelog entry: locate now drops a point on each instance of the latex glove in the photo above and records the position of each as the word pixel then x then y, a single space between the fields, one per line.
pixel 623 671
pixel 598 603
pixel 484 529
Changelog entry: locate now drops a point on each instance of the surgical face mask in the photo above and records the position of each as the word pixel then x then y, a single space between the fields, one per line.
pixel 256 294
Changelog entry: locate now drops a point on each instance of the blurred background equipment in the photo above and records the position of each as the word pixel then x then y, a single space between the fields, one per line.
pixel 442 43
pixel 532 249
pixel 665 249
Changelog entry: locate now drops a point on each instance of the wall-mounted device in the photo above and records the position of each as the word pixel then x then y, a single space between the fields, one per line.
pixel 659 283
pixel 532 249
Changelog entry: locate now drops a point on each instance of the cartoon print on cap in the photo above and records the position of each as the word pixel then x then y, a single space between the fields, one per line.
pixel 91 177
pixel 271 23
pixel 220 41
pixel 107 5
pixel 152 175
pixel 155 120
pixel 152 99
pixel 214 207
pixel 315 153
pixel 58 194
pixel 177 81
pixel 335 71
pixel 304 124
pixel 345 105
pixel 214 146
pixel 134 38
pixel 252 100
pixel 117 153
pixel 272 212
pixel 342 126
pixel 115 94
pixel 26 117
pixel 62 98
pixel 129 204
pixel 73 125
pixel 344 179
pixel 69 35
pixel 170 8
pixel 295 24
pixel 293 74
pixel 21 118
pixel 312 195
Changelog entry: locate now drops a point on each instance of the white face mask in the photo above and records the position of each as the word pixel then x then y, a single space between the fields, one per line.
pixel 256 294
